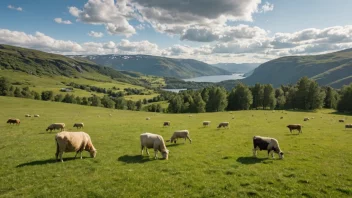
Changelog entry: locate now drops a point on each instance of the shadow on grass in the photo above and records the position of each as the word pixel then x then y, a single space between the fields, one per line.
pixel 250 160
pixel 172 145
pixel 133 159
pixel 48 161
pixel 340 113
pixel 291 134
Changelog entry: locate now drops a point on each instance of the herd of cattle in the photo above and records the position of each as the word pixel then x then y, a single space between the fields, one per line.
pixel 80 141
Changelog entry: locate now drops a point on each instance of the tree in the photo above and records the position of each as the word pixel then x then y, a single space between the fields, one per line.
pixel 96 101
pixel 316 97
pixel 78 100
pixel 291 99
pixel 85 101
pixel 69 99
pixel 302 93
pixel 107 102
pixel 331 98
pixel 130 105
pixel 269 97
pixel 280 98
pixel 241 98
pixel 4 86
pixel 36 95
pixel 139 105
pixel 175 104
pixel 120 103
pixel 198 105
pixel 345 102
pixel 17 92
pixel 47 95
pixel 26 93
pixel 258 95
pixel 58 98
pixel 217 99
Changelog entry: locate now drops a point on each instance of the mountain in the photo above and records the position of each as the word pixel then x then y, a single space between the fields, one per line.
pixel 40 63
pixel 237 68
pixel 156 65
pixel 332 69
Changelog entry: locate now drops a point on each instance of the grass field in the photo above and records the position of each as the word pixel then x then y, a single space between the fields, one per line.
pixel 54 84
pixel 218 163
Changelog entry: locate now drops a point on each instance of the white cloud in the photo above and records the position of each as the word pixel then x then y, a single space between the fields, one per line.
pixel 266 7
pixel 95 34
pixel 60 21
pixel 14 8
pixel 113 15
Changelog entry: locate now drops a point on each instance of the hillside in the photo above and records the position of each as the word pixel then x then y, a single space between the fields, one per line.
pixel 40 71
pixel 333 69
pixel 237 68
pixel 39 63
pixel 155 65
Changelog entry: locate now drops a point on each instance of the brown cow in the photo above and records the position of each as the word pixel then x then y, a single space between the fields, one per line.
pixel 297 127
pixel 13 121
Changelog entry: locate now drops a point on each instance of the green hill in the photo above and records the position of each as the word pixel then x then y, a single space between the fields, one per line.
pixel 155 65
pixel 42 71
pixel 333 69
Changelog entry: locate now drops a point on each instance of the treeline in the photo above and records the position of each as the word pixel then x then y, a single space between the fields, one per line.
pixel 306 94
pixel 107 101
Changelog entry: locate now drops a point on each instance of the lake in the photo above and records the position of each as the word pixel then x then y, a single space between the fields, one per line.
pixel 217 78
pixel 174 90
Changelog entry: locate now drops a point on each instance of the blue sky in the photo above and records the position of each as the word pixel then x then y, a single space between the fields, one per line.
pixel 211 31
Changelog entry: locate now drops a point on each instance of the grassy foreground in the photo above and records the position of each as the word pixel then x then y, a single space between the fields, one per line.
pixel 218 163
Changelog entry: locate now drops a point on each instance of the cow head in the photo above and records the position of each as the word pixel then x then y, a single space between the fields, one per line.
pixel 281 155
pixel 165 154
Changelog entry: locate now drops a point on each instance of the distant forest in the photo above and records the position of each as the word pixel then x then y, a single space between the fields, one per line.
pixel 306 94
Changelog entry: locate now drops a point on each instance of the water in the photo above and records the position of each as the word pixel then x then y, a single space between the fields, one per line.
pixel 174 90
pixel 217 78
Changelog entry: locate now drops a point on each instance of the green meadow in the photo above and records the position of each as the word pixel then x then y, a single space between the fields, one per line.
pixel 218 163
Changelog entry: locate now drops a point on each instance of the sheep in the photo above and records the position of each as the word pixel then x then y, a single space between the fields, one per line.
pixel 297 127
pixel 267 143
pixel 73 142
pixel 55 126
pixel 36 116
pixel 27 116
pixel 206 123
pixel 223 124
pixel 148 118
pixel 167 123
pixel 342 120
pixel 180 134
pixel 79 125
pixel 305 119
pixel 348 126
pixel 13 121
pixel 150 140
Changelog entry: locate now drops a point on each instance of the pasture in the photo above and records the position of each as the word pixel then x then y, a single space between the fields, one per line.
pixel 218 163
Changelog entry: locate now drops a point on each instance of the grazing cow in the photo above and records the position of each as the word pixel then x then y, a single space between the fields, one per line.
pixel 297 127
pixel 347 126
pixel 223 124
pixel 148 118
pixel 167 123
pixel 27 116
pixel 305 119
pixel 206 123
pixel 155 141
pixel 13 121
pixel 73 142
pixel 36 116
pixel 79 125
pixel 342 120
pixel 180 134
pixel 55 126
pixel 267 143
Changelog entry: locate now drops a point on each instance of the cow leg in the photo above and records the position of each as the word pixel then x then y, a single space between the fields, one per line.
pixel 254 152
pixel 142 150
pixel 146 149
pixel 61 156
pixel 190 141
pixel 81 155
pixel 76 154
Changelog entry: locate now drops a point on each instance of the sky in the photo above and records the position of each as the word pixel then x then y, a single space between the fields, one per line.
pixel 213 31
